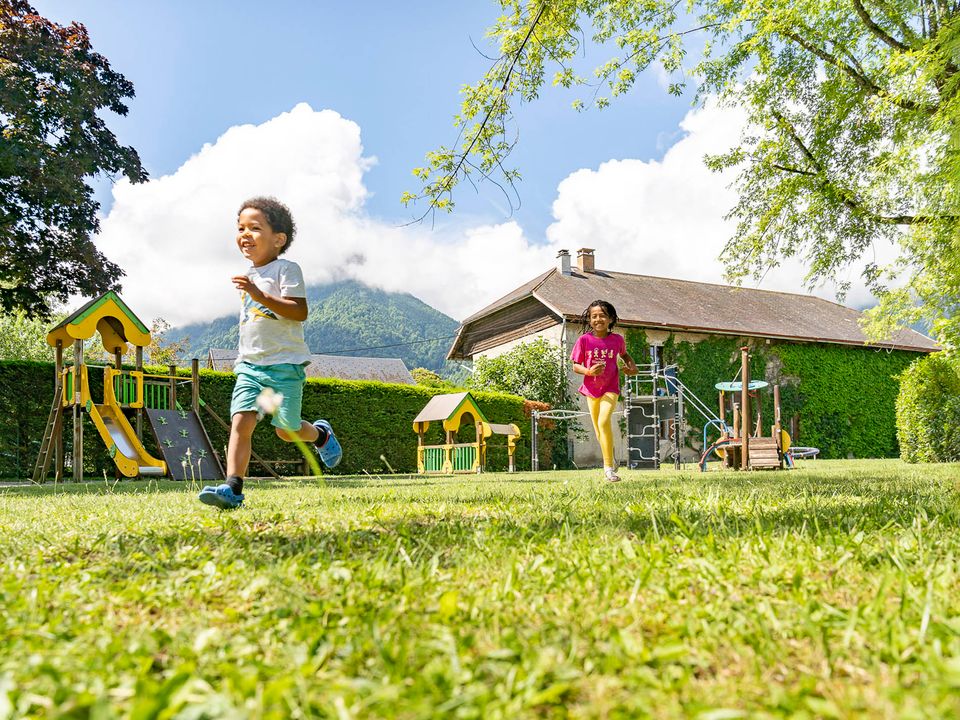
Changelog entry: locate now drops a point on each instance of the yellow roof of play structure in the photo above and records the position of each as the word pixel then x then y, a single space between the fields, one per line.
pixel 449 408
pixel 109 316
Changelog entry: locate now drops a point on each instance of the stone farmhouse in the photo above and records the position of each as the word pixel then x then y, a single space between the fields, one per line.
pixel 550 306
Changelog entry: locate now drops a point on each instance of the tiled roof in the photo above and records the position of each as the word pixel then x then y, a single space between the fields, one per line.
pixel 657 302
pixel 390 370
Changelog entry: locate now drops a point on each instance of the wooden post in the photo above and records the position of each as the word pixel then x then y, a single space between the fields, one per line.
pixel 173 387
pixel 140 410
pixel 744 407
pixel 421 460
pixel 118 364
pixel 776 419
pixel 77 416
pixel 534 450
pixel 450 451
pixel 58 440
pixel 195 384
pixel 481 448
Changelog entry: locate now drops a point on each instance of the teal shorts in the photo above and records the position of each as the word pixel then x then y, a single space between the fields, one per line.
pixel 287 379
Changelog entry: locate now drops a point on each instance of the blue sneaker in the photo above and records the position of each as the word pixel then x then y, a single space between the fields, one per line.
pixel 221 496
pixel 330 452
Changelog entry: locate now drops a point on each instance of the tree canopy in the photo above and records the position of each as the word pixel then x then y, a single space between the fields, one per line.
pixel 852 137
pixel 52 88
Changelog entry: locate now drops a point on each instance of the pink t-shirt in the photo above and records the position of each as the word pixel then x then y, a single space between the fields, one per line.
pixel 589 350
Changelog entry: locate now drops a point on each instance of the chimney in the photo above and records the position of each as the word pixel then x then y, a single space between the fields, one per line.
pixel 585 260
pixel 564 262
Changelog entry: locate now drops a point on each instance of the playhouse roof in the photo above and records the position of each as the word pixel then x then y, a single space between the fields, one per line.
pixel 109 316
pixel 443 407
pixel 647 301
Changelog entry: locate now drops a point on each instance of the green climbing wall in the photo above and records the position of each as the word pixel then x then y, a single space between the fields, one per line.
pixel 184 445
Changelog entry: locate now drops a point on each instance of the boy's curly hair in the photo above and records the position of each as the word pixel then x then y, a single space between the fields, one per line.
pixel 277 214
pixel 607 308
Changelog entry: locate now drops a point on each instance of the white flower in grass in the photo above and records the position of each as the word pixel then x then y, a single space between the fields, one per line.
pixel 269 401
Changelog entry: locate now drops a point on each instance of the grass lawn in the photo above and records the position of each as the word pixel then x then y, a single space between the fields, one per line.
pixel 829 591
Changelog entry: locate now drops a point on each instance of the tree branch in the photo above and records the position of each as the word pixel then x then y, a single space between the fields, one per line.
pixel 446 183
pixel 862 80
pixel 846 197
pixel 908 32
pixel 795 171
pixel 877 30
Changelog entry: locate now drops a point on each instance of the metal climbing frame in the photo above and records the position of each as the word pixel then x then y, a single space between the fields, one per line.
pixel 661 389
pixel 536 416
pixel 652 396
pixel 651 399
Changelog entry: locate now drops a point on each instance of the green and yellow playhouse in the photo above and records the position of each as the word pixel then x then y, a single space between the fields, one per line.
pixel 453 410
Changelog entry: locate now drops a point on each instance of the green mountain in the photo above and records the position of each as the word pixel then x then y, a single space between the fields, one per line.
pixel 350 318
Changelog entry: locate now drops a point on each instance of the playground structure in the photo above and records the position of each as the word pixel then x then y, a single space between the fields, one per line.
pixel 742 445
pixel 654 406
pixel 655 402
pixel 183 442
pixel 452 410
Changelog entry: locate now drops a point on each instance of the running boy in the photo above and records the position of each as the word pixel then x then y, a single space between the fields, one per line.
pixel 595 357
pixel 272 349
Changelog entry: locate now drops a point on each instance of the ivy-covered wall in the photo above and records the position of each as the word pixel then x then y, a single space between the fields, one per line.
pixel 370 418
pixel 842 396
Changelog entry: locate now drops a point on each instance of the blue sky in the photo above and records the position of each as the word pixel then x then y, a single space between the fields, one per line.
pixel 329 106
pixel 394 68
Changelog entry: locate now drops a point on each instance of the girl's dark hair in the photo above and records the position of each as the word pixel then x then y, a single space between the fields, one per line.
pixel 605 306
pixel 277 214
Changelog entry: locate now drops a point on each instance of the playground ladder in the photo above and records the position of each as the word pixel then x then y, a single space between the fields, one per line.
pixel 46 445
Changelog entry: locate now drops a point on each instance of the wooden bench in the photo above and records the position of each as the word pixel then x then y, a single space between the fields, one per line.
pixel 763 454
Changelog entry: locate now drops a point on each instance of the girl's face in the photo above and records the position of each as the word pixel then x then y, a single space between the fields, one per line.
pixel 257 241
pixel 599 321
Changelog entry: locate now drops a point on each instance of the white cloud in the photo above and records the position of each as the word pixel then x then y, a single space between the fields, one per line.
pixel 666 217
pixel 175 235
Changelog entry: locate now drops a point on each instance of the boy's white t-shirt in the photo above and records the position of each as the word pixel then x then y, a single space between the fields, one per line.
pixel 265 337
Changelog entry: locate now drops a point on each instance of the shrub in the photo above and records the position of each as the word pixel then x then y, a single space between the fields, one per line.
pixel 928 410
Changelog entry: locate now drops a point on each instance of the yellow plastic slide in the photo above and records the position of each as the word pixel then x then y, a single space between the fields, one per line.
pixel 127 451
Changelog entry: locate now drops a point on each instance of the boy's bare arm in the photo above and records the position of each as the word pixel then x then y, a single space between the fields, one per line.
pixel 291 308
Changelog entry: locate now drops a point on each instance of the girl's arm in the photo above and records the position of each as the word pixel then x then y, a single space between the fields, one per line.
pixel 629 366
pixel 592 371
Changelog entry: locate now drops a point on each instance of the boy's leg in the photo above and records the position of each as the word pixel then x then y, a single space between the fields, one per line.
pixel 307 432
pixel 240 445
pixel 289 380
pixel 242 424
pixel 320 433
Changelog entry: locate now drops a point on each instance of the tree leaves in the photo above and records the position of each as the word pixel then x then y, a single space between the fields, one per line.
pixel 853 138
pixel 52 88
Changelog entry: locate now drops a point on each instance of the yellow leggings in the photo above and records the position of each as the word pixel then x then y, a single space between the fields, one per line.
pixel 601 412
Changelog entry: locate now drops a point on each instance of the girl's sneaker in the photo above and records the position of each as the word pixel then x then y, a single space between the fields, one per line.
pixel 329 451
pixel 221 496
pixel 611 475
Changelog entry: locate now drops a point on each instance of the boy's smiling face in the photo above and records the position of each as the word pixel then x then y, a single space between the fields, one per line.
pixel 256 239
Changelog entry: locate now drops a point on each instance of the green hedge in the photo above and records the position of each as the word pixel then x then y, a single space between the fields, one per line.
pixel 844 398
pixel 928 410
pixel 371 419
